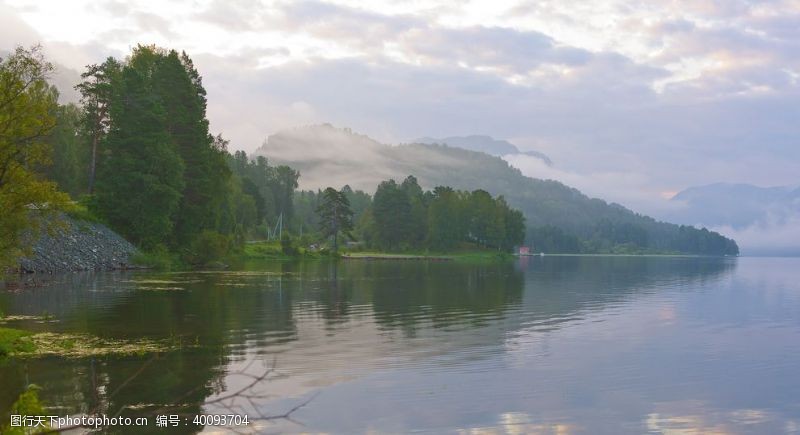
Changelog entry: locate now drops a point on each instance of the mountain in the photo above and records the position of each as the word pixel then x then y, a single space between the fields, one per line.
pixel 735 205
pixel 560 218
pixel 766 220
pixel 484 144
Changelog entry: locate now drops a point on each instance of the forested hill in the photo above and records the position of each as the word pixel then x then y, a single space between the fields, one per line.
pixel 559 218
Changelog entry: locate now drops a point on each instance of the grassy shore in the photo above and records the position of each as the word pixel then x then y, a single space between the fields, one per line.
pixel 264 250
pixel 469 255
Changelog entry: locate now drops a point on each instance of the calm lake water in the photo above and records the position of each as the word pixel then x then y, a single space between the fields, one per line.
pixel 535 345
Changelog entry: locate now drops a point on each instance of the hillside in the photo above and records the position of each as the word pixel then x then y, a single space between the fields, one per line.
pixel 559 218
pixel 484 144
pixel 764 220
pixel 735 205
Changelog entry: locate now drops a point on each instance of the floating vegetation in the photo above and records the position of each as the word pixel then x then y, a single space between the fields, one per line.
pixel 83 345
pixel 238 273
pixel 163 289
pixel 162 281
pixel 17 318
pixel 25 344
pixel 45 318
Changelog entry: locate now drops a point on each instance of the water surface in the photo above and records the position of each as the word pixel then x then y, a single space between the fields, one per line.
pixel 535 345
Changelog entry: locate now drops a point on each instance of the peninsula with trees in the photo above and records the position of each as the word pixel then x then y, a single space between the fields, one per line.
pixel 136 155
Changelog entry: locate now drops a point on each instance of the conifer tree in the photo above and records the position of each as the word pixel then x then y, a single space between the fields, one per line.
pixel 140 183
pixel 335 215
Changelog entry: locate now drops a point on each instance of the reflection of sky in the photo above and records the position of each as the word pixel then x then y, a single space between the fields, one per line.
pixel 680 356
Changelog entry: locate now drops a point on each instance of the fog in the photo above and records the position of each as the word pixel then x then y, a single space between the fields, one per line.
pixel 633 102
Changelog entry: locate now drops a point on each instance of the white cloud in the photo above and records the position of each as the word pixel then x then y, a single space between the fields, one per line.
pixel 631 99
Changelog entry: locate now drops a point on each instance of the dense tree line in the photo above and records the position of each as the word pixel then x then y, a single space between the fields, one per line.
pixel 599 226
pixel 307 202
pixel 271 188
pixel 137 152
pixel 403 216
pixel 158 176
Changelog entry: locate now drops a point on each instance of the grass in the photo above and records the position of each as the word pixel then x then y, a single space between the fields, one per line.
pixel 15 341
pixel 465 255
pixel 81 212
pixel 272 250
pixel 158 259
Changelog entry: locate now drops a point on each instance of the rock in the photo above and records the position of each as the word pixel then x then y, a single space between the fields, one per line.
pixel 80 245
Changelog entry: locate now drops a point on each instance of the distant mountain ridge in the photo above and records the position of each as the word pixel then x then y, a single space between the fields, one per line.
pixel 765 220
pixel 559 217
pixel 485 144
pixel 736 205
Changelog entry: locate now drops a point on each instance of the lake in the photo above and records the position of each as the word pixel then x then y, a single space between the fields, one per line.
pixel 533 345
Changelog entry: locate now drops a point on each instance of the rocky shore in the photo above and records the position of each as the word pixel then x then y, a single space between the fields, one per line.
pixel 79 246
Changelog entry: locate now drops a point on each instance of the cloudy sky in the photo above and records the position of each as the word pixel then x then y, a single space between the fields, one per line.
pixel 632 100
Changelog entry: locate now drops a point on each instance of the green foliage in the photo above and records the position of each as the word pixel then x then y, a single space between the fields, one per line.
pixel 551 203
pixel 27 107
pixel 404 217
pixel 285 249
pixel 69 153
pixel 335 215
pixel 208 246
pixel 27 404
pixel 553 240
pixel 391 213
pixel 445 219
pixel 15 341
pixel 271 188
pixel 162 179
pixel 287 246
pixel 81 212
pixel 158 258
pixel 179 88
pixel 139 184
pixel 97 91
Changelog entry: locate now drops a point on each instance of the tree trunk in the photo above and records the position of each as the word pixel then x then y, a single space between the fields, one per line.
pixel 335 235
pixel 93 164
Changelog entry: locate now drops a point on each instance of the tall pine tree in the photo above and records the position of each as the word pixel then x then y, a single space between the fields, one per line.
pixel 335 215
pixel 141 180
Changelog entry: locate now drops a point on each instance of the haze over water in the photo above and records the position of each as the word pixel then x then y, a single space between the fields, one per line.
pixel 536 345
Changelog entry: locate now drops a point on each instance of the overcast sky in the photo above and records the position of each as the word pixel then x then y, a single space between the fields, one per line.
pixel 632 100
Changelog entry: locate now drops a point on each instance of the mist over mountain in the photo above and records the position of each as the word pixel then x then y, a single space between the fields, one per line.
pixel 560 218
pixel 485 144
pixel 764 220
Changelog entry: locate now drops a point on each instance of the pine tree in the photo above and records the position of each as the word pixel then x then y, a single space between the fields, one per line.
pixel 140 183
pixel 96 92
pixel 180 91
pixel 391 212
pixel 335 215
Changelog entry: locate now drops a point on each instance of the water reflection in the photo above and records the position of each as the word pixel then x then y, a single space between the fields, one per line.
pixel 550 345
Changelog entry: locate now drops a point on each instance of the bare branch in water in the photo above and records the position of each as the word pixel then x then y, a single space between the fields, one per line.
pixel 233 403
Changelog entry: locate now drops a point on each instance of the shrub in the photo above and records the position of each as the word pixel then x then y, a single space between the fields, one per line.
pixel 209 246
pixel 158 258
pixel 14 340
pixel 287 246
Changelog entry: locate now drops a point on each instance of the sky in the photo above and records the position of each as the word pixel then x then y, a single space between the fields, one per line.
pixel 633 101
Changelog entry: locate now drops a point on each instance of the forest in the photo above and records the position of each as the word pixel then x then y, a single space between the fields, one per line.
pixel 136 154
pixel 403 217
